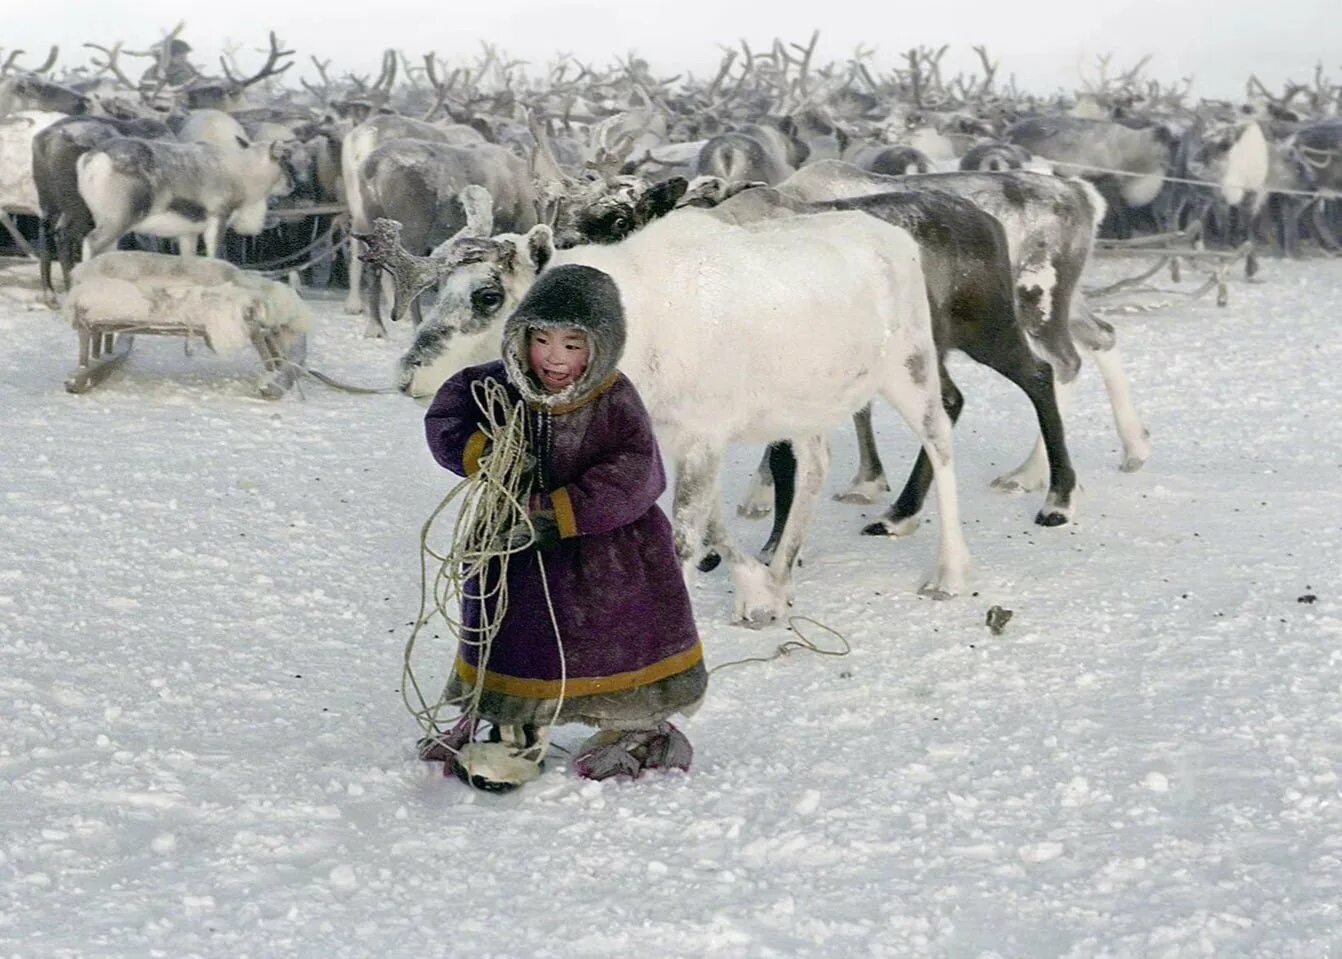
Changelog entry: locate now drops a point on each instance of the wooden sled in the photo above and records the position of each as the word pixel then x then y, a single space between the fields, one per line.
pixel 103 348
pixel 119 295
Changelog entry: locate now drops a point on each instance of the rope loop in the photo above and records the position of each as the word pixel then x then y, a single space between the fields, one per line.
pixel 474 567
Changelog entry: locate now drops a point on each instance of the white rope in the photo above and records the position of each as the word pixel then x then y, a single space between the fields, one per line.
pixel 801 642
pixel 493 502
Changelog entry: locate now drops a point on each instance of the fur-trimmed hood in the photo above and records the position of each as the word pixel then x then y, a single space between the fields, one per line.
pixel 568 295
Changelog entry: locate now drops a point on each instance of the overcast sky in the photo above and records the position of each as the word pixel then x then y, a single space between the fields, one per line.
pixel 1045 44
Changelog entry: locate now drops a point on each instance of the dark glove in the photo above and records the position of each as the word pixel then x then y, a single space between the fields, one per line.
pixel 519 536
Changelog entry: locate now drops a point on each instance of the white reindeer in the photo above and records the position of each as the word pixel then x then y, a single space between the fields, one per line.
pixel 779 329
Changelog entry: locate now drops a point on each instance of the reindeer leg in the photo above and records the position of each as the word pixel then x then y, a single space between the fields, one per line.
pixel 1322 229
pixel 67 242
pixel 1013 359
pixel 100 239
pixel 1098 341
pixel 781 462
pixel 812 458
pixel 354 298
pixel 919 402
pixel 870 481
pixel 45 238
pixel 901 519
pixel 695 528
pixel 375 328
pixel 212 235
pixel 691 507
pixel 760 497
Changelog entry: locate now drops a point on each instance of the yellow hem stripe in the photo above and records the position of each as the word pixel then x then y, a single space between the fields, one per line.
pixel 470 457
pixel 582 686
pixel 567 522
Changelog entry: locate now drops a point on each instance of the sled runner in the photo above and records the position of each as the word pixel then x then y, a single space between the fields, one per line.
pixel 119 295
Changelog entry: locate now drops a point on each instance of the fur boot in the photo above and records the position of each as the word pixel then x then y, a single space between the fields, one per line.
pixel 514 756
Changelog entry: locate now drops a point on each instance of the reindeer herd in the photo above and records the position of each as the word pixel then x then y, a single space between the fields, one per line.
pixel 792 240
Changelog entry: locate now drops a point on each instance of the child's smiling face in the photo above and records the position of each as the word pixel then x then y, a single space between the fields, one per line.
pixel 558 356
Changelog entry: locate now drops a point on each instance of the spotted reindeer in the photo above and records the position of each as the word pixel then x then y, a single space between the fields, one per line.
pixel 1050 226
pixel 183 191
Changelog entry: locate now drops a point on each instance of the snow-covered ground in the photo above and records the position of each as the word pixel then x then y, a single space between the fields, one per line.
pixel 204 599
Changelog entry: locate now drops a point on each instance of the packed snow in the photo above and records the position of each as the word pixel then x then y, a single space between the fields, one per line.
pixel 205 597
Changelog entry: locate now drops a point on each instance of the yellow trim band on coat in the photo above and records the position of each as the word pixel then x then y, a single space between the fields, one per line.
pixel 470 456
pixel 564 518
pixel 582 686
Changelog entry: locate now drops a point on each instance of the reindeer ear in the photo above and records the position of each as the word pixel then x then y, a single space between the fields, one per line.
pixel 478 206
pixel 661 198
pixel 539 243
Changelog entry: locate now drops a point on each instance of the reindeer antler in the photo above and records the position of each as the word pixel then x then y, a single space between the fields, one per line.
pixel 441 88
pixel 111 64
pixel 267 70
pixel 411 274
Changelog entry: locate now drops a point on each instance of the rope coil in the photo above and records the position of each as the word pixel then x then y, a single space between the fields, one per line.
pixel 492 501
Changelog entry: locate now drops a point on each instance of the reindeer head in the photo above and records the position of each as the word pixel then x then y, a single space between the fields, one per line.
pixel 628 204
pixel 293 161
pixel 479 281
pixel 36 92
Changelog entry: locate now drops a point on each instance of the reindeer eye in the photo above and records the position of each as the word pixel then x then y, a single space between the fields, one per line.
pixel 487 300
pixel 620 223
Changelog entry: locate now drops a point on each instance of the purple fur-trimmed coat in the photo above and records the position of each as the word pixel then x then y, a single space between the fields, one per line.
pixel 631 652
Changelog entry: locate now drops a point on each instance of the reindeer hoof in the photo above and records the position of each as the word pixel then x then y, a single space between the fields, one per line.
pixel 855 497
pixel 709 562
pixel 864 492
pixel 758 502
pixel 1132 464
pixel 933 591
pixel 1051 517
pixel 759 618
pixel 1017 484
pixel 891 527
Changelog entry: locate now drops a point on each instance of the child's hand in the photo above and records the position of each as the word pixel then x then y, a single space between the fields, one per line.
pixel 520 536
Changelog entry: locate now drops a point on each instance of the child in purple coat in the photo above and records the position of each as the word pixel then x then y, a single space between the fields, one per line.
pixel 627 655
